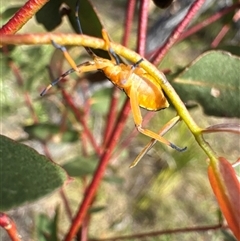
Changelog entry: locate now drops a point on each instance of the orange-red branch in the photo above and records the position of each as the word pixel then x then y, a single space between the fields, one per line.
pixel 10 227
pixel 25 13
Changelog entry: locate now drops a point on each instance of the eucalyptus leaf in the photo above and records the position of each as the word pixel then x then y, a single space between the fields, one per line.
pixel 25 175
pixel 80 166
pixel 213 81
pixel 44 131
pixel 46 13
pixel 47 228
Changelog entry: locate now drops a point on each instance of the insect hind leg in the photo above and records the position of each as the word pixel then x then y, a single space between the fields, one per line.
pixel 137 116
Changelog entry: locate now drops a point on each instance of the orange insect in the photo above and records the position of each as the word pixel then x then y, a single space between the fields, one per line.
pixel 142 89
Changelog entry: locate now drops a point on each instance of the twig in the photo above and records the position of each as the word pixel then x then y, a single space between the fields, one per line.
pixel 158 56
pixel 208 21
pixel 81 120
pixel 224 30
pixel 142 27
pixel 9 225
pixel 25 13
pixel 167 231
pixel 128 23
pixel 97 177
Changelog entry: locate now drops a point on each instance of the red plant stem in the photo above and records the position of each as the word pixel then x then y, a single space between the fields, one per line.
pixel 220 36
pixel 63 125
pixel 236 163
pixel 86 110
pixel 133 134
pixel 224 31
pixel 208 21
pixel 22 16
pixel 17 73
pixel 112 113
pixel 93 187
pixel 84 144
pixel 78 116
pixel 115 93
pixel 84 229
pixel 158 56
pixel 20 82
pixel 236 17
pixel 66 204
pixel 63 196
pixel 27 97
pixel 142 27
pixel 46 151
pixel 10 227
pixel 167 231
pixel 128 22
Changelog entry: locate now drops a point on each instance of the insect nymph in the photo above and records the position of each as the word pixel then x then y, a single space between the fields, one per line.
pixel 142 89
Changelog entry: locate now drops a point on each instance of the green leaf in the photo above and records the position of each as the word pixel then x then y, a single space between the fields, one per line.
pixel 89 19
pixel 114 180
pixel 233 49
pixel 96 209
pixel 49 15
pixel 227 235
pixel 90 22
pixel 8 13
pixel 25 175
pixel 45 131
pixel 101 100
pixel 81 166
pixel 212 80
pixel 46 228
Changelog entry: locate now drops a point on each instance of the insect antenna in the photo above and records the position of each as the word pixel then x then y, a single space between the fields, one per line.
pixel 64 50
pixel 90 52
pixel 57 80
pixel 79 28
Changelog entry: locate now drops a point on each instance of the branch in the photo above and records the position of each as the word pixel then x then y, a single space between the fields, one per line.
pixel 163 232
pixel 10 227
pixel 19 19
pixel 177 32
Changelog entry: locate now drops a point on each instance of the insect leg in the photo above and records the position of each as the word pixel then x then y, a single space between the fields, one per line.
pixel 69 60
pixel 114 57
pixel 137 63
pixel 66 55
pixel 137 116
pixel 81 68
pixel 79 28
pixel 162 132
pixel 56 81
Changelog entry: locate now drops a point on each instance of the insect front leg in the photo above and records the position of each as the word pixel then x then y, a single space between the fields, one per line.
pixel 81 68
pixel 66 55
pixel 114 57
pixel 137 116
